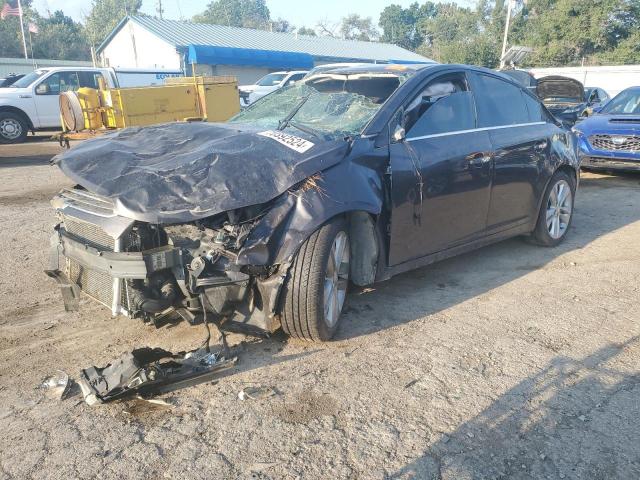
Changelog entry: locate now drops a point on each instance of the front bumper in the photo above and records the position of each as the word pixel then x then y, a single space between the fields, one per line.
pixel 101 273
pixel 610 163
pixel 607 160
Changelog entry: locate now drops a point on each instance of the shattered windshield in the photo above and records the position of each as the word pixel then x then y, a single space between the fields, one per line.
pixel 325 105
pixel 626 102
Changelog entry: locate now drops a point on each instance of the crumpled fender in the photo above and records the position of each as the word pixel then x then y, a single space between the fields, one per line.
pixel 351 185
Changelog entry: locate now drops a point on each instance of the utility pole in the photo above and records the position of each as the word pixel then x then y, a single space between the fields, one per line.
pixel 159 9
pixel 506 32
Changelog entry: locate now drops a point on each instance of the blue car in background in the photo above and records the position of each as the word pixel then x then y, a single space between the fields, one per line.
pixel 610 139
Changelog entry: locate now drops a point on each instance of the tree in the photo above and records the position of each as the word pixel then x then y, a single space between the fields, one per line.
pixel 105 15
pixel 281 25
pixel 307 31
pixel 355 27
pixel 59 37
pixel 236 13
pixel 564 32
pixel 400 25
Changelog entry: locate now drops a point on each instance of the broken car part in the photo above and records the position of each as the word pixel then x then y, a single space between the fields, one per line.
pixel 148 371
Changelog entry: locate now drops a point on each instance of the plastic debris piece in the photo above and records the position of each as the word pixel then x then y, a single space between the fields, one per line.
pixel 255 393
pixel 56 385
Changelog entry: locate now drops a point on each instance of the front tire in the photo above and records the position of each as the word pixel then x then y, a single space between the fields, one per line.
pixel 556 211
pixel 13 128
pixel 316 285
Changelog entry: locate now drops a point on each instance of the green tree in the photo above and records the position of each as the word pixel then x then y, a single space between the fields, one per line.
pixel 59 37
pixel 307 31
pixel 564 32
pixel 281 25
pixel 105 15
pixel 401 25
pixel 236 13
pixel 355 27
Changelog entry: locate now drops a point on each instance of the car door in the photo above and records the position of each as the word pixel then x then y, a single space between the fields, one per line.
pixel 520 146
pixel 47 92
pixel 440 171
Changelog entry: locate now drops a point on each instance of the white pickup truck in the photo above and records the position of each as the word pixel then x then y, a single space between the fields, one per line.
pixel 32 103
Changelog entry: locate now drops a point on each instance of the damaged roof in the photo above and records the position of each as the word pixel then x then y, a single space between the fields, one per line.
pixel 183 34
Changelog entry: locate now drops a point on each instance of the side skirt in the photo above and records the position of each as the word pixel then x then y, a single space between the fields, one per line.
pixel 390 271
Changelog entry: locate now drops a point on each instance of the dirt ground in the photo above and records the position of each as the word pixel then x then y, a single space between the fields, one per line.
pixel 510 362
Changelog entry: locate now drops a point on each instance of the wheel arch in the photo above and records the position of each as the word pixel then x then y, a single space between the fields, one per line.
pixel 18 111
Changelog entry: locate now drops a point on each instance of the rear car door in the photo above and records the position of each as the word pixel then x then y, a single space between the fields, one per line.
pixel 520 144
pixel 440 173
pixel 47 93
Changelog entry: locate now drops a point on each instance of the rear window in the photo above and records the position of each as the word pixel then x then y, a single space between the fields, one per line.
pixel 499 103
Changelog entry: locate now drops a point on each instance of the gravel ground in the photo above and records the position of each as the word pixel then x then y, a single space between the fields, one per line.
pixel 513 361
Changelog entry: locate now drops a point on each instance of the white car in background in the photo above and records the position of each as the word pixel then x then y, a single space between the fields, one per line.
pixel 267 84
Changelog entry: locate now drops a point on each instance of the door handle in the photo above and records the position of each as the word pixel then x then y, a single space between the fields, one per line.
pixel 478 159
pixel 540 146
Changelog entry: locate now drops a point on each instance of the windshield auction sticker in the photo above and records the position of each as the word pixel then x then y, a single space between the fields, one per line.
pixel 294 143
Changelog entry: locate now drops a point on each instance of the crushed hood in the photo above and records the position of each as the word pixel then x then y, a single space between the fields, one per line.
pixel 179 172
pixel 560 87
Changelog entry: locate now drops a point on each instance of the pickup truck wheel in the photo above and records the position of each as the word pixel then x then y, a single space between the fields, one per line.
pixel 13 128
pixel 556 211
pixel 316 285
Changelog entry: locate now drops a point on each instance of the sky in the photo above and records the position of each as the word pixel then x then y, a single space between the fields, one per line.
pixel 299 13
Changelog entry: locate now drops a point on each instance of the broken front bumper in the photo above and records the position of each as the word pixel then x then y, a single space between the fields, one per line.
pixel 100 273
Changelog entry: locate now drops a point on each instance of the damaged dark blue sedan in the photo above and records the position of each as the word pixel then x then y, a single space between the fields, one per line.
pixel 355 175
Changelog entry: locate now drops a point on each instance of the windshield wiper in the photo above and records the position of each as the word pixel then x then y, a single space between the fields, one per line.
pixel 309 130
pixel 282 124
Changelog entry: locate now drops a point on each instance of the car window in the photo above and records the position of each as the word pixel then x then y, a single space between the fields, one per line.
pixel 294 78
pixel 444 105
pixel 452 113
pixel 594 96
pixel 498 102
pixel 604 96
pixel 271 80
pixel 90 79
pixel 57 83
pixel 535 109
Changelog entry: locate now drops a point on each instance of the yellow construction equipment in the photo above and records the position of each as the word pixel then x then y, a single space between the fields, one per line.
pixel 88 111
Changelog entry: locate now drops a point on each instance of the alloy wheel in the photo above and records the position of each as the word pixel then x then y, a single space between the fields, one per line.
pixel 559 209
pixel 336 279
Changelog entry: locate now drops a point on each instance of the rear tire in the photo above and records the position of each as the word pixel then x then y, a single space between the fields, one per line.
pixel 311 306
pixel 556 211
pixel 13 128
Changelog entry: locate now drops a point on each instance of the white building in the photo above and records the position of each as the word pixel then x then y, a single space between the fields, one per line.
pixel 147 42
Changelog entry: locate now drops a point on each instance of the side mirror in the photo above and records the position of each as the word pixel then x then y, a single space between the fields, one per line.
pixel 42 89
pixel 399 134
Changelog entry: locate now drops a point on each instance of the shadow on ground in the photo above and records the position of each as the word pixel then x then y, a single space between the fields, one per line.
pixel 573 419
pixel 37 150
pixel 431 289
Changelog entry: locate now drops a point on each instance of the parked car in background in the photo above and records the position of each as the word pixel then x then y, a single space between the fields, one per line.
pixel 31 103
pixel 595 98
pixel 523 77
pixel 567 99
pixel 267 84
pixel 355 174
pixel 10 80
pixel 610 138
